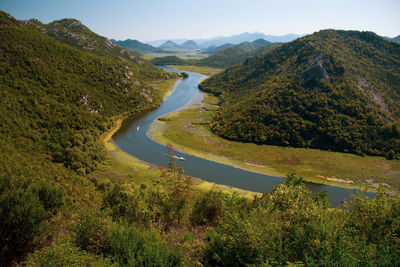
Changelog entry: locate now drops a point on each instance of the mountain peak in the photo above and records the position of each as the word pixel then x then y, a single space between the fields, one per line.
pixel 190 44
pixel 321 85
pixel 261 41
pixel 7 20
pixel 137 46
pixel 169 45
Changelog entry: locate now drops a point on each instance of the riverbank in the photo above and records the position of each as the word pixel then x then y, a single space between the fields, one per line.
pixel 208 71
pixel 122 167
pixel 166 87
pixel 188 130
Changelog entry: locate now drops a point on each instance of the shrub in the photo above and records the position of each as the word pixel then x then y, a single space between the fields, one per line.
pixel 22 218
pixel 65 255
pixel 91 232
pixel 134 246
pixel 208 208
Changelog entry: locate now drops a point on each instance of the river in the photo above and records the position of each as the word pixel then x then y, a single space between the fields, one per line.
pixel 132 138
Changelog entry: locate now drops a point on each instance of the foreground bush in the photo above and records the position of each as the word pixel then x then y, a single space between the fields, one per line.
pixel 65 256
pixel 291 225
pixel 134 246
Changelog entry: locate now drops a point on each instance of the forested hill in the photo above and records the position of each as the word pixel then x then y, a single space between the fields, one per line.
pixel 52 91
pixel 225 58
pixel 337 90
pixel 237 54
pixel 55 101
pixel 74 33
pixel 135 45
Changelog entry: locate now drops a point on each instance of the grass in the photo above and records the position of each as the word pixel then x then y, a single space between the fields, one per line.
pixel 166 87
pixel 188 130
pixel 208 71
pixel 122 168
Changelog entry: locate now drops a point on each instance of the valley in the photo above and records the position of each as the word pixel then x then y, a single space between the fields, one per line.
pixel 247 149
pixel 189 131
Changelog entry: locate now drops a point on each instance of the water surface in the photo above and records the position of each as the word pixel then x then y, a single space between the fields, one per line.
pixel 131 138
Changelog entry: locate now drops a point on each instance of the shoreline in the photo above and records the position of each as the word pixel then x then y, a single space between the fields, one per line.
pixel 113 149
pixel 231 163
pixel 106 136
pixel 156 134
pixel 158 127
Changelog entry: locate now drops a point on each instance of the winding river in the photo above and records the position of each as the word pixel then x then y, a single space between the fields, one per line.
pixel 132 138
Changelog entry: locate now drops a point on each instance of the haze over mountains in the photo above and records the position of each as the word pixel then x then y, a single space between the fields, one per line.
pixel 207 46
pixel 222 56
pixel 394 39
pixel 135 45
pixel 234 39
pixel 69 199
pixel 188 45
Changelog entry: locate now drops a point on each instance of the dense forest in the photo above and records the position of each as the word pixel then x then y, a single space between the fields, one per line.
pixel 73 32
pixel 334 90
pixel 56 100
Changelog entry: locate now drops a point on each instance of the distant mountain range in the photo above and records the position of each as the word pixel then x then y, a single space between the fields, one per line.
pixel 188 45
pixel 223 56
pixel 394 39
pixel 234 39
pixel 136 46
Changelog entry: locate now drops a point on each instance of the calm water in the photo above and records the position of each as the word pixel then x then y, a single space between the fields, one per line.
pixel 132 139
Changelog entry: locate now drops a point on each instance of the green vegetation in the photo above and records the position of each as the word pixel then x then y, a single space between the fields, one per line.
pixel 332 90
pixel 189 130
pixel 73 32
pixel 208 71
pixel 56 100
pixel 164 86
pixel 168 60
pixel 236 54
pixel 139 47
pixel 63 202
pixel 224 58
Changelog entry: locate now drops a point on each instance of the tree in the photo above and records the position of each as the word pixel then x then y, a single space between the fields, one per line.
pixel 179 188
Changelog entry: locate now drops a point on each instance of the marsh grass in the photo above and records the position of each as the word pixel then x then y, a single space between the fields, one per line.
pixel 189 131
pixel 208 71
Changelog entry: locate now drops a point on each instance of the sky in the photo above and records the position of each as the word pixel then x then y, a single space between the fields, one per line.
pixel 147 20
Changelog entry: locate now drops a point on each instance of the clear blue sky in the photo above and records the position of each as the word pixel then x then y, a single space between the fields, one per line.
pixel 148 20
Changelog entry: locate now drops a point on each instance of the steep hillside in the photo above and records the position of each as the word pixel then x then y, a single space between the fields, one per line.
pixel 52 91
pixel 215 49
pixel 236 54
pixel 136 46
pixel 56 99
pixel 170 60
pixel 74 33
pixel 337 90
pixel 225 58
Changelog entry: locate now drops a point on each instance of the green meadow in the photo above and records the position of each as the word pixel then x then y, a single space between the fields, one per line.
pixel 208 71
pixel 189 131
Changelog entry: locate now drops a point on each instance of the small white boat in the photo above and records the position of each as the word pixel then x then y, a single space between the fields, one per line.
pixel 180 158
pixel 137 128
